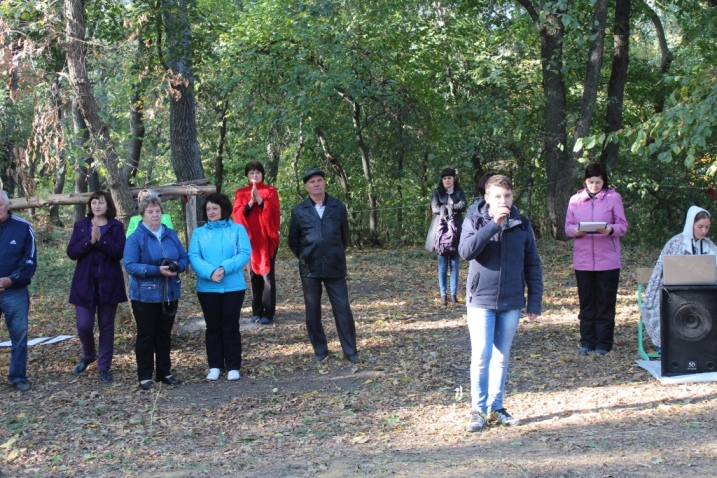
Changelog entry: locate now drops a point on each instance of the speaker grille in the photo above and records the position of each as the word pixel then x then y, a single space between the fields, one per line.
pixel 690 321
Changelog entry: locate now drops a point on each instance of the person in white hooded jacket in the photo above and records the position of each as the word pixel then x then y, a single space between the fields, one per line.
pixel 691 241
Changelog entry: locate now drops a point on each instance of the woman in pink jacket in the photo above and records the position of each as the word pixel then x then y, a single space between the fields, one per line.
pixel 596 257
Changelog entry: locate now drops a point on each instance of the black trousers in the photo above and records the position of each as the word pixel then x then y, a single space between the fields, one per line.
pixel 597 291
pixel 339 297
pixel 263 293
pixel 154 338
pixel 223 339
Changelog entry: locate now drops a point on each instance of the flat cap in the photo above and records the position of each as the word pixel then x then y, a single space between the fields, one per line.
pixel 314 172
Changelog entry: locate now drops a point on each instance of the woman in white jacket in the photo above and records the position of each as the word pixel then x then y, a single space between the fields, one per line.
pixel 692 241
pixel 218 252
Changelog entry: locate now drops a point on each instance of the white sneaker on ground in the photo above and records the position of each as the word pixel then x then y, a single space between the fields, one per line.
pixel 213 374
pixel 506 418
pixel 233 375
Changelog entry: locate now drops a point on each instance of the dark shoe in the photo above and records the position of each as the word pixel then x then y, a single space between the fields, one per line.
pixel 255 319
pixel 658 350
pixel 476 423
pixel 600 352
pixel 444 302
pixel 170 380
pixel 505 418
pixel 23 386
pixel 454 299
pixel 146 385
pixel 82 365
pixel 266 320
pixel 584 351
pixel 353 358
pixel 320 357
pixel 105 376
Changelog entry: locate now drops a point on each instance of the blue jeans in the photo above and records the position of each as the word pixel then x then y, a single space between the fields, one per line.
pixel 492 333
pixel 14 305
pixel 442 272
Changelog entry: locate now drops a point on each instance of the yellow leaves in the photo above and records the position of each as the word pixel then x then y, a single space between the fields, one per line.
pixel 360 439
pixel 8 444
pixel 12 454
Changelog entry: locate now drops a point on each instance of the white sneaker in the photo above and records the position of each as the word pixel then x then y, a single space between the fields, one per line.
pixel 213 374
pixel 233 375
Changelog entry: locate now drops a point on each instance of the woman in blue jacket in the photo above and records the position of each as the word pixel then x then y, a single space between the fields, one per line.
pixel 218 252
pixel 154 257
pixel 97 244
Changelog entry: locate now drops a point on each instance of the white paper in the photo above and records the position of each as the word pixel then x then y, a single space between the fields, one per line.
pixel 59 338
pixel 655 368
pixel 40 340
pixel 591 226
pixel 37 340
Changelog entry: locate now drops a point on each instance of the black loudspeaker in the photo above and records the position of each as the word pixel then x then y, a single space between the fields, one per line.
pixel 688 326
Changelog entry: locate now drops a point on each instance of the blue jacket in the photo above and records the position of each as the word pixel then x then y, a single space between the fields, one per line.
pixel 142 256
pixel 19 254
pixel 503 261
pixel 107 253
pixel 220 244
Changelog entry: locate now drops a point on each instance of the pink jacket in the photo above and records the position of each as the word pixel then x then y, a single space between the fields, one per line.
pixel 595 251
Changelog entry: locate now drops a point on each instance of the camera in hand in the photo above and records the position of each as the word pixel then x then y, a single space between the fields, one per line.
pixel 171 265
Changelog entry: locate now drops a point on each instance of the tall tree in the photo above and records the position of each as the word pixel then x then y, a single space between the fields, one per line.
pixel 183 127
pixel 618 79
pixel 80 82
pixel 560 165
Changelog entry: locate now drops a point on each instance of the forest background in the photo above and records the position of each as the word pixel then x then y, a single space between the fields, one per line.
pixel 119 93
pixel 381 94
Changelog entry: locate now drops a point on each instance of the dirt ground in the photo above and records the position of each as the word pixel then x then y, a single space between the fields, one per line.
pixel 401 412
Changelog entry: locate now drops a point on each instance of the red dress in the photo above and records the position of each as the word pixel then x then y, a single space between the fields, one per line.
pixel 261 223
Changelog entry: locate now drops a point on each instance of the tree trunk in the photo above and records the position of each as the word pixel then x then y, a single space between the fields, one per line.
pixel 219 156
pixel 183 127
pixel 295 162
pixel 273 156
pixel 618 79
pixel 61 166
pixel 478 172
pixel 136 133
pixel 7 148
pixel 592 74
pixel 336 166
pixel 365 161
pixel 665 53
pixel 81 167
pixel 80 83
pixel 560 167
pixel 136 115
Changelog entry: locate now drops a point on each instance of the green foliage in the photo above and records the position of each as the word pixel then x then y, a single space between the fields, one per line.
pixel 438 85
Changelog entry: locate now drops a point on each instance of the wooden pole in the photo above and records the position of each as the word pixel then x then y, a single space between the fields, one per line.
pixel 190 213
pixel 165 192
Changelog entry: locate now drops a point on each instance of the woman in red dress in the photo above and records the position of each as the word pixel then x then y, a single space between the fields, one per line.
pixel 256 207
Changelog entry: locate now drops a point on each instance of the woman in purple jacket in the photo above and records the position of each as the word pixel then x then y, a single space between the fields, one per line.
pixel 596 257
pixel 97 244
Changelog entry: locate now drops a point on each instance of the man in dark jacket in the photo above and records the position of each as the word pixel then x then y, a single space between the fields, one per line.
pixel 504 261
pixel 318 236
pixel 17 266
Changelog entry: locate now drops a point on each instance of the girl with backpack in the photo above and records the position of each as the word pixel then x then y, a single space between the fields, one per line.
pixel 447 204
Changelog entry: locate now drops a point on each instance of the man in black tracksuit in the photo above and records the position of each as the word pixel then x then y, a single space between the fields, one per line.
pixel 318 236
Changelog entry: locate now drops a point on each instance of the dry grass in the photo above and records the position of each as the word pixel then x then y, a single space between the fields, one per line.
pixel 400 413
